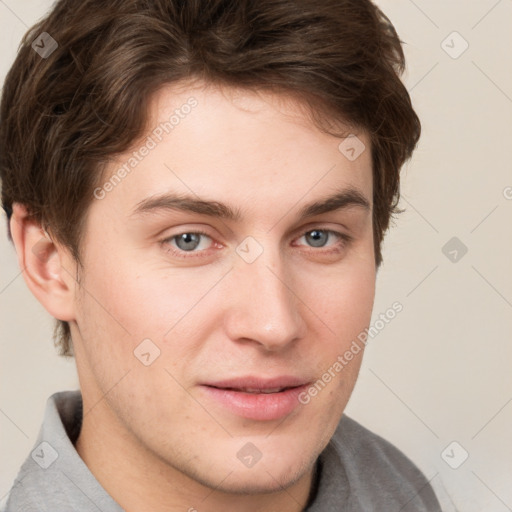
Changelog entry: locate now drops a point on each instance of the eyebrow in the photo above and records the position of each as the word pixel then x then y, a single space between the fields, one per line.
pixel 350 197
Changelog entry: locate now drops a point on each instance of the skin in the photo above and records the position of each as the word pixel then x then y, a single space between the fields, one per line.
pixel 151 435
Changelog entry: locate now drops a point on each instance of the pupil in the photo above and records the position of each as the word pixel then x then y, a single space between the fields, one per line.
pixel 317 238
pixel 188 241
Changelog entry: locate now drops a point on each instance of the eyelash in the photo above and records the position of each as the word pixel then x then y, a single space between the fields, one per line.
pixel 344 241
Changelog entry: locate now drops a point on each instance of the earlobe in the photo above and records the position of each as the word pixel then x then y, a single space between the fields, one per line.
pixel 44 265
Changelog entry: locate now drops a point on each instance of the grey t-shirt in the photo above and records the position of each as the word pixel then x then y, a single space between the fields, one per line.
pixel 357 472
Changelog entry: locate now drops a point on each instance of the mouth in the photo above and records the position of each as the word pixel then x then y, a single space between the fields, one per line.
pixel 256 398
pixel 255 390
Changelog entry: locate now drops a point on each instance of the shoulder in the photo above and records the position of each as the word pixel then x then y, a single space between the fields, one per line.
pixel 54 477
pixel 369 449
pixel 379 474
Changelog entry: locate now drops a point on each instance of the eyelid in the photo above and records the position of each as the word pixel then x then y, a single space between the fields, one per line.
pixel 171 234
pixel 344 239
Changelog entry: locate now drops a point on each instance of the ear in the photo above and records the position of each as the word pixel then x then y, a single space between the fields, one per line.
pixel 47 267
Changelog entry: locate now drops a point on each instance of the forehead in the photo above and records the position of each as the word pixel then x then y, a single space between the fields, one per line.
pixel 242 147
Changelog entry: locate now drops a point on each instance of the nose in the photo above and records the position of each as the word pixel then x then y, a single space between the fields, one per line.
pixel 264 308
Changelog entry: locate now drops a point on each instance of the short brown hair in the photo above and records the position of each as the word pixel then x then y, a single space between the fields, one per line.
pixel 64 115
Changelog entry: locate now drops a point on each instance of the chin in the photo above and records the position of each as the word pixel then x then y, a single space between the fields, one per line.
pixel 267 476
pixel 255 481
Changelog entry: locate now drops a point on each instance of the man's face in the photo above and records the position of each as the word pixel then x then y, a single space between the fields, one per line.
pixel 265 299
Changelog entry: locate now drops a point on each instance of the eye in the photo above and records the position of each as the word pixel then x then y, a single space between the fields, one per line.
pixel 319 238
pixel 189 241
pixel 198 242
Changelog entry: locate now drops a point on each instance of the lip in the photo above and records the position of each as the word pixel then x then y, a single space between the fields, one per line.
pixel 232 395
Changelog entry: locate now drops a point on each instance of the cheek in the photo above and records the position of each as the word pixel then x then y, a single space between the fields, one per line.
pixel 126 299
pixel 342 300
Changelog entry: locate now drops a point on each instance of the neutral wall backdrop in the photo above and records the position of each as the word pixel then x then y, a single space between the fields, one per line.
pixel 436 380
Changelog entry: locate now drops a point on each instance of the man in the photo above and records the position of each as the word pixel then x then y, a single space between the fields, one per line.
pixel 198 192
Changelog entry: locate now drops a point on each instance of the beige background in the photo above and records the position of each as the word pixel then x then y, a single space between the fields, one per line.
pixel 440 371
